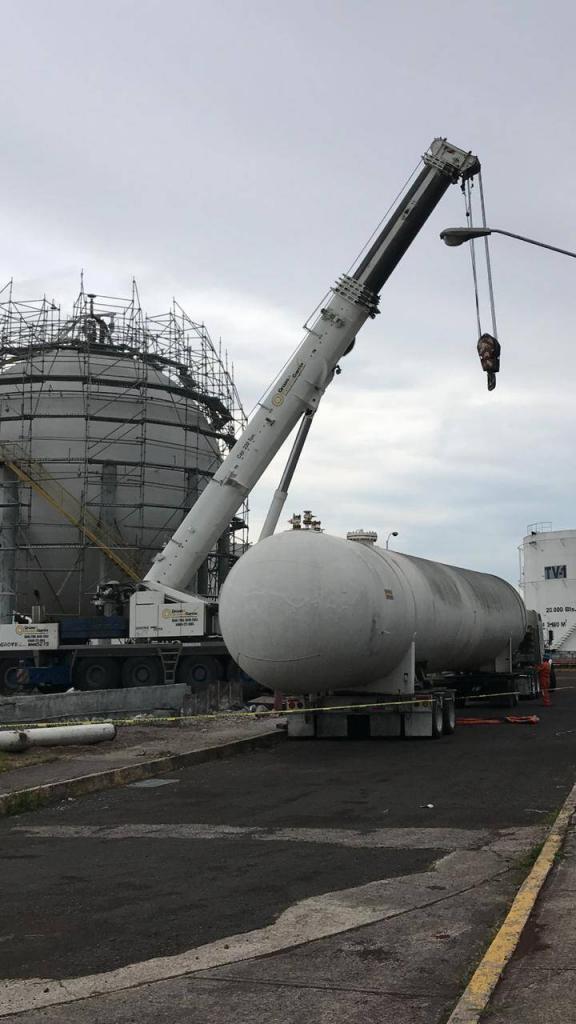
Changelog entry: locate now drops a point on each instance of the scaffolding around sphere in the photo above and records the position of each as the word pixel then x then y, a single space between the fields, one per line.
pixel 111 423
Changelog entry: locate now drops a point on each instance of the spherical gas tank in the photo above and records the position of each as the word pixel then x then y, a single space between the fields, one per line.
pixel 303 612
pixel 124 440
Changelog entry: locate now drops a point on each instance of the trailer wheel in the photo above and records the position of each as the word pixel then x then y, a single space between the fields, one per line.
pixel 448 716
pixel 437 719
pixel 97 673
pixel 198 671
pixel 510 700
pixel 142 672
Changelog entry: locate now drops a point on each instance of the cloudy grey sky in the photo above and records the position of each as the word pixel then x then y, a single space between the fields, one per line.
pixel 237 155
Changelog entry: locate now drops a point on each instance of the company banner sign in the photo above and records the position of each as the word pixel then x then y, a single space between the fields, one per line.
pixel 29 636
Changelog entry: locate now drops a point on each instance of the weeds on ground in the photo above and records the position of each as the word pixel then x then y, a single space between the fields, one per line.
pixel 524 863
pixel 26 800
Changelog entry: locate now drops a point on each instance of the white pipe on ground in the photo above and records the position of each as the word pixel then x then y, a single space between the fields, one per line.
pixel 12 740
pixel 56 736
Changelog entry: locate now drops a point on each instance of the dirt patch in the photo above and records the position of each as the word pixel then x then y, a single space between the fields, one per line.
pixel 24 758
pixel 142 742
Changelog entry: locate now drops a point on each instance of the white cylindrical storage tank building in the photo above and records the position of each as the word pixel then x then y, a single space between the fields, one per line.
pixel 303 612
pixel 548 583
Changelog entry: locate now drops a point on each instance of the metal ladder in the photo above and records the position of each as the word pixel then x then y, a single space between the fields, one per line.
pixel 35 475
pixel 170 656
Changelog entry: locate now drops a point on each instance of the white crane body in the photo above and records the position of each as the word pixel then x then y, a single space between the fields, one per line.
pixel 296 391
pixel 299 388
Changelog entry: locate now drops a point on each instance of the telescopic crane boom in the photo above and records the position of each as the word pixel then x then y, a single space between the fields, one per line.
pixel 300 386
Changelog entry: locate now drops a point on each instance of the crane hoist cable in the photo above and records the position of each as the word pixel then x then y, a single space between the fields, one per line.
pixel 470 222
pixel 488 262
pixel 488 345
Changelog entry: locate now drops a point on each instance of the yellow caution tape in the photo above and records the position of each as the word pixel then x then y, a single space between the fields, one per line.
pixel 208 715
pixel 212 715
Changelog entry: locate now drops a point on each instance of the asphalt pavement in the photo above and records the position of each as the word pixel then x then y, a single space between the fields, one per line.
pixel 319 880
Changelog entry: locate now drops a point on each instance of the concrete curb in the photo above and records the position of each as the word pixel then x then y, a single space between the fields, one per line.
pixel 477 994
pixel 24 800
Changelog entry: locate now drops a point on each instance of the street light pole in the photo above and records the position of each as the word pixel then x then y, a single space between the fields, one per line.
pixel 458 236
pixel 394 533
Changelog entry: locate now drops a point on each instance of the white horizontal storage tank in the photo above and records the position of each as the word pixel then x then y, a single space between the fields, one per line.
pixel 548 582
pixel 303 612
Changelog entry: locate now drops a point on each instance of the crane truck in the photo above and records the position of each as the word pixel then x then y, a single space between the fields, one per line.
pixel 168 626
pixel 296 393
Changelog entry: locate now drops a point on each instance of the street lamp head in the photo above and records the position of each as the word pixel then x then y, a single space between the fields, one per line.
pixel 457 236
pixel 394 533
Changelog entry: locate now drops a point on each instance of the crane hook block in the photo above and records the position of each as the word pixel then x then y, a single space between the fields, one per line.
pixel 489 352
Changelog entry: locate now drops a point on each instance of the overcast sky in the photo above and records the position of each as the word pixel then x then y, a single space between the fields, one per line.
pixel 237 155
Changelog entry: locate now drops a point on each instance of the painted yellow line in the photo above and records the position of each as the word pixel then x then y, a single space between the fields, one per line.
pixel 478 992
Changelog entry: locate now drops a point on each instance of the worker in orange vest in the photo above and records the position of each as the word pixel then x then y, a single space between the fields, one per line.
pixel 544 670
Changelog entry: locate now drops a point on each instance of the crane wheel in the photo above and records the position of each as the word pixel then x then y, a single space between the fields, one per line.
pixel 8 676
pixel 97 674
pixel 142 672
pixel 198 671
